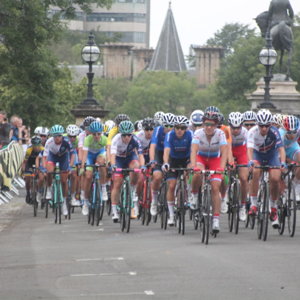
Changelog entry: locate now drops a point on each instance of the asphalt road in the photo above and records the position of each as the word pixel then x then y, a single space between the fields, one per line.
pixel 42 260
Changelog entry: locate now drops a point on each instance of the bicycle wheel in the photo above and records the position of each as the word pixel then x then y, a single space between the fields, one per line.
pixel 291 210
pixel 60 202
pixel 230 207
pixel 236 206
pixel 123 218
pixel 206 216
pixel 281 211
pixel 247 213
pixel 163 206
pixel 266 213
pixel 46 202
pixel 182 206
pixel 148 202
pixel 33 198
pixel 99 204
pixel 128 207
pixel 108 202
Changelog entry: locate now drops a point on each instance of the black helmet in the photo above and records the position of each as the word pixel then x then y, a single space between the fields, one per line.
pixel 148 123
pixel 212 109
pixel 36 140
pixel 211 116
pixel 88 121
pixel 121 117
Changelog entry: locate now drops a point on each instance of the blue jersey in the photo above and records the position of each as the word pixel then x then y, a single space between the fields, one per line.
pixel 180 147
pixel 58 150
pixel 158 138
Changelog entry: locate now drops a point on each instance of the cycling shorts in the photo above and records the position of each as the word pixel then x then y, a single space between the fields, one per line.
pixel 292 151
pixel 211 163
pixel 124 162
pixel 240 154
pixel 272 159
pixel 159 158
pixel 64 160
pixel 92 158
pixel 176 163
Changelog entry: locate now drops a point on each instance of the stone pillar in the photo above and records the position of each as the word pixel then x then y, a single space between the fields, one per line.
pixel 283 95
pixel 140 60
pixel 116 61
pixel 208 62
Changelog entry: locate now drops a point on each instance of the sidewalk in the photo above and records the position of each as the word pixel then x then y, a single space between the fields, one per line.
pixel 9 211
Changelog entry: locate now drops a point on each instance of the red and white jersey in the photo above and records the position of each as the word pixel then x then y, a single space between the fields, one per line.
pixel 240 139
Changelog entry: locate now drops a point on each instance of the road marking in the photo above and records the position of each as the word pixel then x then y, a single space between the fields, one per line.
pixel 148 293
pixel 99 259
pixel 104 274
pixel 78 231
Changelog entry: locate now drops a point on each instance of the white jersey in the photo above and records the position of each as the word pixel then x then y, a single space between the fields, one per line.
pixel 60 149
pixel 81 138
pixel 145 143
pixel 240 139
pixel 120 149
pixel 209 148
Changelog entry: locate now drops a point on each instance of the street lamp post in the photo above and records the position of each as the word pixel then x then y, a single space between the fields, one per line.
pixel 267 57
pixel 90 54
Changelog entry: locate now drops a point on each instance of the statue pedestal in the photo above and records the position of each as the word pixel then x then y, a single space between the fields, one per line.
pixel 284 95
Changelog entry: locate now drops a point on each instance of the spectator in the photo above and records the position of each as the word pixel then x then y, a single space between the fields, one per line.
pixel 4 129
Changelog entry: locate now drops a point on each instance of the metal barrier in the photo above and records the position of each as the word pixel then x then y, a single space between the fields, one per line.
pixel 11 159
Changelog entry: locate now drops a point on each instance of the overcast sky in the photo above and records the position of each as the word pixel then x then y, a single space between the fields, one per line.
pixel 198 20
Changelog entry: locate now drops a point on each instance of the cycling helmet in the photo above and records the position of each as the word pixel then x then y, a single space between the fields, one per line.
pixel 211 116
pixel 138 125
pixel 99 120
pixel 57 130
pixel 121 117
pixel 87 121
pixel 168 119
pixel 44 131
pixel 72 130
pixel 126 127
pixel 158 117
pixel 95 127
pixel 264 117
pixel 221 118
pixel 291 123
pixel 148 123
pixel 249 116
pixel 196 117
pixel 212 109
pixel 235 119
pixel 181 120
pixel 37 130
pixel 36 141
pixel 277 119
pixel 108 126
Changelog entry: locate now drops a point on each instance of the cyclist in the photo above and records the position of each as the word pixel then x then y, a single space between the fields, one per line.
pixel 72 134
pixel 43 133
pixel 196 119
pixel 108 126
pixel 277 120
pixel 239 151
pixel 32 155
pixel 126 152
pixel 94 152
pixel 177 150
pixel 138 126
pixel 290 134
pixel 249 119
pixel 265 147
pixel 158 118
pixel 156 153
pixel 209 151
pixel 58 149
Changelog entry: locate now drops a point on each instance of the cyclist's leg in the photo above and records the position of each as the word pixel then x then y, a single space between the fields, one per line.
pixel 64 167
pixel 256 174
pixel 196 182
pixel 156 180
pixel 134 164
pixel 103 173
pixel 51 161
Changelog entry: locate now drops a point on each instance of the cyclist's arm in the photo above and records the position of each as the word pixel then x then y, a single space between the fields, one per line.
pixel 141 159
pixel 72 159
pixel 224 155
pixel 230 156
pixel 250 153
pixel 37 162
pixel 113 159
pixel 45 162
pixel 152 152
pixel 84 157
pixel 194 151
pixel 166 155
pixel 108 154
pixel 282 154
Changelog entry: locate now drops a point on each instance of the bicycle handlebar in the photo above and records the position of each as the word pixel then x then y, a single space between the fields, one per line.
pixel 128 170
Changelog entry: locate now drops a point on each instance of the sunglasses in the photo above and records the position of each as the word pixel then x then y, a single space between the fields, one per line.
pixel 266 126
pixel 72 136
pixel 249 124
pixel 148 129
pixel 291 132
pixel 168 126
pixel 43 136
pixel 126 134
pixel 181 127
pixel 97 134
pixel 209 124
pixel 57 135
pixel 233 128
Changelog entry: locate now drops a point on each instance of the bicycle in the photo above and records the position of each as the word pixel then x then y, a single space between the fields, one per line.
pixel 181 205
pixel 234 194
pixel 96 204
pixel 162 205
pixel 145 202
pixel 287 205
pixel 126 203
pixel 33 189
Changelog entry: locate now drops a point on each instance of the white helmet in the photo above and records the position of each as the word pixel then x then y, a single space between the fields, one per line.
pixel 99 120
pixel 264 117
pixel 37 130
pixel 249 115
pixel 181 120
pixel 235 119
pixel 168 119
pixel 158 117
pixel 44 131
pixel 196 117
pixel 109 124
pixel 277 119
pixel 72 130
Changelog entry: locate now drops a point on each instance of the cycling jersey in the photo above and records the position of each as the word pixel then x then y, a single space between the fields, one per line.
pixel 31 155
pixel 240 139
pixel 93 146
pixel 227 132
pixel 291 146
pixel 58 150
pixel 179 147
pixel 239 147
pixel 120 149
pixel 74 142
pixel 158 138
pixel 209 148
pixel 112 134
pixel 81 138
pixel 145 143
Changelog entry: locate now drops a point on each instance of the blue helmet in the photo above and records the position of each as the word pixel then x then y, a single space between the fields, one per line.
pixel 126 127
pixel 57 130
pixel 95 127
